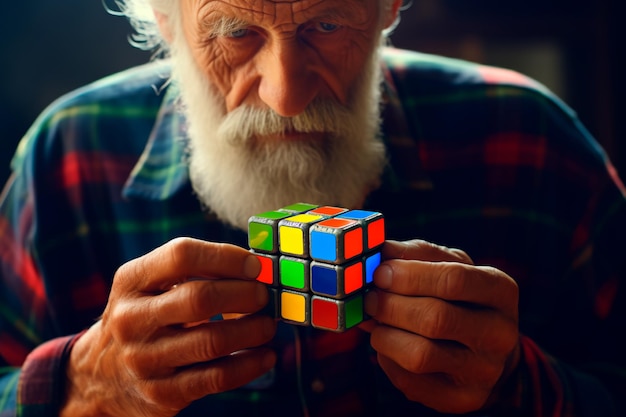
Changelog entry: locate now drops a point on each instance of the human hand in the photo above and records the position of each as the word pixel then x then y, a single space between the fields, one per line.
pixel 446 331
pixel 155 351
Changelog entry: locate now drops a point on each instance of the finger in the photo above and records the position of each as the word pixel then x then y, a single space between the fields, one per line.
pixel 182 259
pixel 438 391
pixel 422 250
pixel 480 330
pixel 189 384
pixel 222 338
pixel 177 348
pixel 418 354
pixel 195 301
pixel 453 281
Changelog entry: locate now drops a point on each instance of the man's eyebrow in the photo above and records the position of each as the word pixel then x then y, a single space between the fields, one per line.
pixel 341 10
pixel 222 26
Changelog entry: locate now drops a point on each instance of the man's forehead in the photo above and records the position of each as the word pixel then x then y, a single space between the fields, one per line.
pixel 298 10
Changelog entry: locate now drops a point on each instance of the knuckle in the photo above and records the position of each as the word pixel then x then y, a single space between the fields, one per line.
pixel 431 249
pixel 161 397
pixel 120 319
pixel 181 242
pixel 506 297
pixel 216 253
pixel 214 345
pixel 153 395
pixel 452 277
pixel 508 284
pixel 126 275
pixel 156 392
pixel 133 366
pixel 216 381
pixel 391 309
pixel 199 298
pixel 462 256
pixel 418 360
pixel 180 248
pixel 218 256
pixel 208 298
pixel 437 320
pixel 512 289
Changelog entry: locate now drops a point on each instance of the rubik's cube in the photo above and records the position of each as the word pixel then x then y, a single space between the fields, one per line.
pixel 318 261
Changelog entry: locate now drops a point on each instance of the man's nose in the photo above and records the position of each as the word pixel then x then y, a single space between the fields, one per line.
pixel 288 81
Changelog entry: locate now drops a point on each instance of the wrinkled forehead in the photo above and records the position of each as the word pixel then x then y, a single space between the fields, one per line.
pixel 284 12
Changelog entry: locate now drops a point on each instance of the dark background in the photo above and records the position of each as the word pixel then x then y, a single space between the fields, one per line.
pixel 575 47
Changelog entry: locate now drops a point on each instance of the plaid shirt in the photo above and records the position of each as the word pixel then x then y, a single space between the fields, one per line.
pixel 480 158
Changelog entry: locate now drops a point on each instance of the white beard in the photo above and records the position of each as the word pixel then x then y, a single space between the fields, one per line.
pixel 235 175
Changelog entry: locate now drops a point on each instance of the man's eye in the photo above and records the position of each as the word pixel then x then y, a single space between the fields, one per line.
pixel 238 33
pixel 325 27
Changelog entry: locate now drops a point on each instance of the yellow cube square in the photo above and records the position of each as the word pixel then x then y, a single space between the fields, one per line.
pixel 294 307
pixel 293 234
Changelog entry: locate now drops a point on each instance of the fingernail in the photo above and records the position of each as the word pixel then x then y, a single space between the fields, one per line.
pixel 383 277
pixel 251 267
pixel 371 303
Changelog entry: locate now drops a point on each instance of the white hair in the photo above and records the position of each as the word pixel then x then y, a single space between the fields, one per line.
pixel 147 35
pixel 140 13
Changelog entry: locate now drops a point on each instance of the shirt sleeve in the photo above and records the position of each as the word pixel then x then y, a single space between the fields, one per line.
pixel 41 382
pixel 20 291
pixel 25 322
pixel 31 373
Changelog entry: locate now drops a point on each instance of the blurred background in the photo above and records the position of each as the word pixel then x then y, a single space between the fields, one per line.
pixel 575 47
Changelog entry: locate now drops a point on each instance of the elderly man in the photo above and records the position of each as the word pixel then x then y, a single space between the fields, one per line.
pixel 123 229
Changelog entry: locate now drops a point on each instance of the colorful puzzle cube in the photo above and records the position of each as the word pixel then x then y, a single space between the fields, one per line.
pixel 318 261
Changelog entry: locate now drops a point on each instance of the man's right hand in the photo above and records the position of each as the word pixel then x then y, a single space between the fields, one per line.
pixel 154 351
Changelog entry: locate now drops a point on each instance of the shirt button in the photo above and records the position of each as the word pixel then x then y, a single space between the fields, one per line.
pixel 317 386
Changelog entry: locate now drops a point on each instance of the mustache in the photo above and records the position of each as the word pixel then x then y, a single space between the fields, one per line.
pixel 322 115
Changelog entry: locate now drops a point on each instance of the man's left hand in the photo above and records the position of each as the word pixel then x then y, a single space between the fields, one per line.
pixel 445 330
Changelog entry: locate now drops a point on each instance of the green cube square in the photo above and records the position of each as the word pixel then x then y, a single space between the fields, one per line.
pixel 294 272
pixel 354 311
pixel 261 237
pixel 263 231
